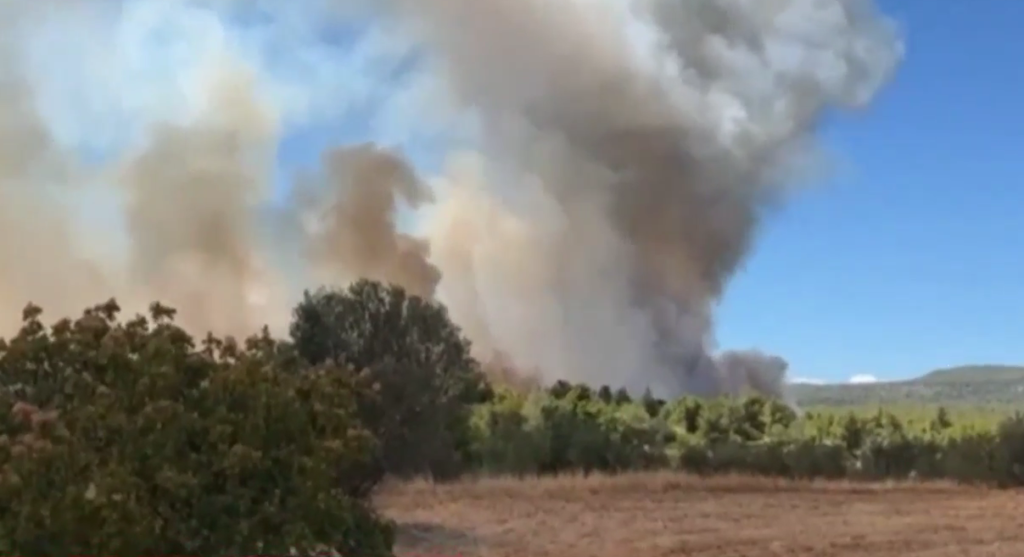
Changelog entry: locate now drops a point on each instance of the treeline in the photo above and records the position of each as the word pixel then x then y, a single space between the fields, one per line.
pixel 982 391
pixel 124 437
pixel 581 430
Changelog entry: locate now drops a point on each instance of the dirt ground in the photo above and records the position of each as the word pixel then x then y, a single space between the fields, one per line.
pixel 660 515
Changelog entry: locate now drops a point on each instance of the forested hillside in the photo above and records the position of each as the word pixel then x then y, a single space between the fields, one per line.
pixel 986 385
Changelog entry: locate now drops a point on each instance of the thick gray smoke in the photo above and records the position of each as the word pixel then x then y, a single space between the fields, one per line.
pixel 614 161
pixel 649 137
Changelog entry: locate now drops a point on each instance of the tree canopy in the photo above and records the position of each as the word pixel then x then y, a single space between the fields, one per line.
pixel 414 360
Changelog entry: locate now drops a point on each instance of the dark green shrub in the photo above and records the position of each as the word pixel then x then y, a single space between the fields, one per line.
pixel 1008 456
pixel 807 459
pixel 414 359
pixel 968 458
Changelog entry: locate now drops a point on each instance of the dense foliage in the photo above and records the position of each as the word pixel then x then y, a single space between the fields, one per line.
pixel 576 428
pixel 129 439
pixel 135 438
pixel 416 362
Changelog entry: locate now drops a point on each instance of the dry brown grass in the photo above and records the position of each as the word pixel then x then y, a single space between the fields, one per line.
pixel 662 514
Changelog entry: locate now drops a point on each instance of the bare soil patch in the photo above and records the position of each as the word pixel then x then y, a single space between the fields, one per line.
pixel 662 514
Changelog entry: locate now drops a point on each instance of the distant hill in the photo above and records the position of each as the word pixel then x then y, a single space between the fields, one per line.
pixel 974 374
pixel 962 385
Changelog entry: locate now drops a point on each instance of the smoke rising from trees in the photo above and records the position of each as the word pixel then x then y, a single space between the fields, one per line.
pixel 607 168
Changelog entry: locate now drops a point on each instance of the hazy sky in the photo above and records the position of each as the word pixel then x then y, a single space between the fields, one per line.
pixel 902 260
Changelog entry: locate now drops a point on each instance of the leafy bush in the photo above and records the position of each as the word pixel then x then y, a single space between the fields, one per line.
pixel 416 362
pixel 1008 457
pixel 128 439
pixel 542 434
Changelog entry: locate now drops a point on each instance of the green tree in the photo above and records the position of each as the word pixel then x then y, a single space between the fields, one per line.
pixel 652 404
pixel 941 422
pixel 560 389
pixel 622 396
pixel 414 359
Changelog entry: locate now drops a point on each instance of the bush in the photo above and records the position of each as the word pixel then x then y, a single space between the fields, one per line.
pixel 127 439
pixel 504 439
pixel 416 362
pixel 1008 457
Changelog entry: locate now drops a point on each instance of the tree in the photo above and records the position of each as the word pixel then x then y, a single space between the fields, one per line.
pixel 941 421
pixel 560 389
pixel 622 396
pixel 412 356
pixel 652 404
pixel 129 439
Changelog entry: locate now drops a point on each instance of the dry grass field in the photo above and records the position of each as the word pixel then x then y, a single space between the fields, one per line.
pixel 661 515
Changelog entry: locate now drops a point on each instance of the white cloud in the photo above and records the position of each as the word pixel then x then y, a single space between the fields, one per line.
pixel 807 381
pixel 863 378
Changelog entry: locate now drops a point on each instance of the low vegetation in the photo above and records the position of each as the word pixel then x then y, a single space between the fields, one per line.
pixel 133 437
pixel 580 430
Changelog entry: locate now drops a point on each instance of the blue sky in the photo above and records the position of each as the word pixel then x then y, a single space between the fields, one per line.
pixel 911 257
pixel 900 262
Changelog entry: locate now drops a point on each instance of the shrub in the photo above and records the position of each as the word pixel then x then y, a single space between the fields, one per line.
pixel 1008 454
pixel 414 358
pixel 504 440
pixel 128 439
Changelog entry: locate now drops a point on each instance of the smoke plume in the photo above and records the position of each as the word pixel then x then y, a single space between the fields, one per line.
pixel 190 196
pixel 607 164
pixel 35 180
pixel 352 230
pixel 645 154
